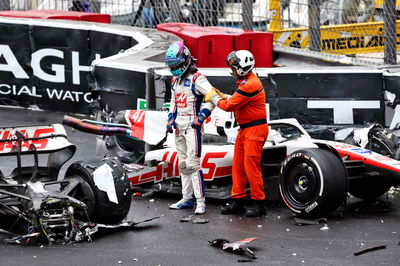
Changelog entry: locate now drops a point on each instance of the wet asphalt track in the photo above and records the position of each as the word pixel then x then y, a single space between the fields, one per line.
pixel 166 241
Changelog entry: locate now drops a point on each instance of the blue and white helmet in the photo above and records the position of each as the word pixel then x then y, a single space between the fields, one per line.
pixel 178 58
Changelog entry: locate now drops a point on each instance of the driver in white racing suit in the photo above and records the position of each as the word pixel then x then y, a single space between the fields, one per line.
pixel 188 88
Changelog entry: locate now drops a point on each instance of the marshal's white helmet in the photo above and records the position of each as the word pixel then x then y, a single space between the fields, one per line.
pixel 242 60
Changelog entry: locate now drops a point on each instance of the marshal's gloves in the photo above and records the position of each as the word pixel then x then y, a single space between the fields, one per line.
pixel 220 94
pixel 171 123
pixel 199 120
pixel 214 96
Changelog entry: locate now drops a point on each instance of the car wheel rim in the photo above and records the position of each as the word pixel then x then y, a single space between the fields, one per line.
pixel 302 185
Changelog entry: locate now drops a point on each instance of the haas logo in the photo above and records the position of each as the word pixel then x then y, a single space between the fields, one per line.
pixel 181 100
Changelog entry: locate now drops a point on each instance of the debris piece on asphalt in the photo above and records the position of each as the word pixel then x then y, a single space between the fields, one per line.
pixel 148 194
pixel 193 219
pixel 186 219
pixel 325 227
pixel 238 247
pixel 363 251
pixel 126 223
pixel 137 194
pixel 197 220
pixel 299 221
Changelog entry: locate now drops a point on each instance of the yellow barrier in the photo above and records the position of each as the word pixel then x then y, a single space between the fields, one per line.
pixel 353 38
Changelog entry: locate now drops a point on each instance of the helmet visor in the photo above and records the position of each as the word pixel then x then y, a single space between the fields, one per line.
pixel 232 60
pixel 174 63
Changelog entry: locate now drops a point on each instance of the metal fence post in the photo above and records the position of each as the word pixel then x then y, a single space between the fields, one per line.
pixel 96 6
pixel 314 10
pixel 175 10
pixel 4 5
pixel 389 16
pixel 150 90
pixel 247 14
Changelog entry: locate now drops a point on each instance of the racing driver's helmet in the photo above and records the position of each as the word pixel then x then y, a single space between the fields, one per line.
pixel 178 58
pixel 242 60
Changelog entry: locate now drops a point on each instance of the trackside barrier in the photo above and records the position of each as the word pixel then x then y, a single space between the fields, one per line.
pixel 58 14
pixel 211 45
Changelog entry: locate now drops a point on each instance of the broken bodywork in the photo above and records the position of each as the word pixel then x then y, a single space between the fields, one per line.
pixel 38 207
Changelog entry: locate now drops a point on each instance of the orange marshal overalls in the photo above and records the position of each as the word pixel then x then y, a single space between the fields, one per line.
pixel 248 105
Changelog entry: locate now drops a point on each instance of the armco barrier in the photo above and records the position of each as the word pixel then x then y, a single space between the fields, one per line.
pixel 211 45
pixel 208 46
pixel 259 43
pixel 58 14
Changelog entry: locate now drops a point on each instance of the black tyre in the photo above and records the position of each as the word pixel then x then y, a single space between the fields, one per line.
pixel 313 182
pixel 368 188
pixel 105 211
pixel 83 192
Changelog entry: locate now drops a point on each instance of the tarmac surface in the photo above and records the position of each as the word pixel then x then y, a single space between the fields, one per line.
pixel 167 241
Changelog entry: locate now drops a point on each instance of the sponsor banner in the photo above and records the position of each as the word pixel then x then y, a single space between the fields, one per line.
pixel 46 66
pixel 323 111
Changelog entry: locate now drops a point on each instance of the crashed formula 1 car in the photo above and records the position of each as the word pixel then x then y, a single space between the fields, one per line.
pixel 314 176
pixel 37 207
pixel 376 138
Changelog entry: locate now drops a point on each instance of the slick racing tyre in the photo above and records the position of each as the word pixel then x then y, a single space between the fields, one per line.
pixel 313 182
pixel 107 210
pixel 83 192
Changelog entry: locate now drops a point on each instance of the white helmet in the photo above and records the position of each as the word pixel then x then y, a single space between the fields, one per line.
pixel 242 60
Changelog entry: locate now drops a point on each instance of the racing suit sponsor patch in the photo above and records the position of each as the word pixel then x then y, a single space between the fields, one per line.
pixel 186 83
pixel 181 100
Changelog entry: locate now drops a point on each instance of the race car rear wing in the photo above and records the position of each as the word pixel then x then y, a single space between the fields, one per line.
pixel 51 139
pixel 32 139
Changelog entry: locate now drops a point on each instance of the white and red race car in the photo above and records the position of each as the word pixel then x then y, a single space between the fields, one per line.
pixel 39 206
pixel 314 176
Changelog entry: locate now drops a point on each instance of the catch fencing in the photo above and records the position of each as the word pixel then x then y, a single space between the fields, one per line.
pixel 365 29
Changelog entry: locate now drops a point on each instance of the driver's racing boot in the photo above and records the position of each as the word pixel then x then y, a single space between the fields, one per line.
pixel 200 208
pixel 184 203
pixel 235 207
pixel 257 209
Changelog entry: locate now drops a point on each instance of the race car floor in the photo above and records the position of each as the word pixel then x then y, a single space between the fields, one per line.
pixel 167 241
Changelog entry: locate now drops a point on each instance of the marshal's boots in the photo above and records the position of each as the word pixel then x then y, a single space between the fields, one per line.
pixel 235 207
pixel 257 209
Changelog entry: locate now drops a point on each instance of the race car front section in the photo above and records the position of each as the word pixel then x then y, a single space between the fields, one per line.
pixel 37 207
